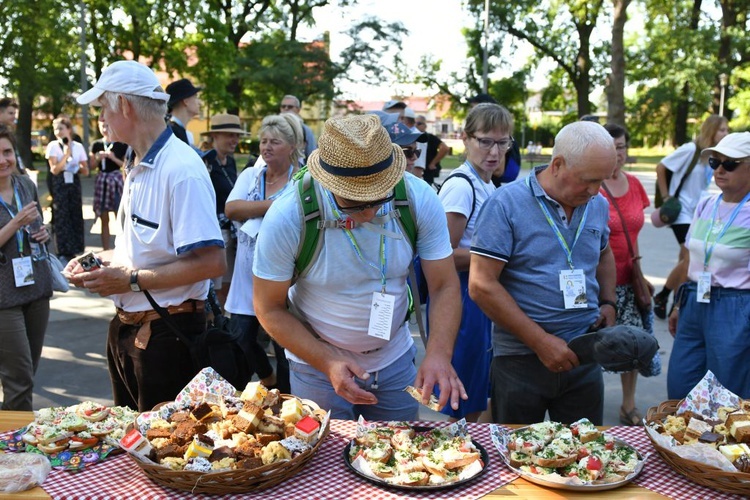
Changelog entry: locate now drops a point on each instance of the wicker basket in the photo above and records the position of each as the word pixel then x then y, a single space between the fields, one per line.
pixel 231 481
pixel 706 475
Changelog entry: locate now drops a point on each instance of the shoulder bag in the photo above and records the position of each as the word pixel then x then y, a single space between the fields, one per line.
pixel 59 283
pixel 642 288
pixel 670 209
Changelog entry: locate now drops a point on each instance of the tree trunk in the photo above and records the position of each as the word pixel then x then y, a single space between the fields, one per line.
pixel 682 110
pixel 582 80
pixel 726 64
pixel 23 128
pixel 616 81
pixel 234 88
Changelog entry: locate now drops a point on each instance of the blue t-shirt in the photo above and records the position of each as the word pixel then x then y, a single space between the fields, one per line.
pixel 513 228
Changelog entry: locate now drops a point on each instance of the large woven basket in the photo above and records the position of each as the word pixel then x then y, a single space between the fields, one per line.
pixel 706 475
pixel 231 481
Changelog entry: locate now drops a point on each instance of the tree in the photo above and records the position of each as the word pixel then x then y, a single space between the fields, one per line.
pixel 557 29
pixel 38 43
pixel 616 80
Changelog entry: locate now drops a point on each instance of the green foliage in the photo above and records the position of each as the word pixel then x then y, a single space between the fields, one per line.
pixel 740 101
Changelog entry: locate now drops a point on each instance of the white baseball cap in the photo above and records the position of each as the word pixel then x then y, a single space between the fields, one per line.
pixel 409 113
pixel 735 146
pixel 126 77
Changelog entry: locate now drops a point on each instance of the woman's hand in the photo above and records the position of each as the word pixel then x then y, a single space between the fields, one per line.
pixel 673 317
pixel 26 216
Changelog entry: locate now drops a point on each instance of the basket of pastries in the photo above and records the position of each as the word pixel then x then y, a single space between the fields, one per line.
pixel 221 442
pixel 705 439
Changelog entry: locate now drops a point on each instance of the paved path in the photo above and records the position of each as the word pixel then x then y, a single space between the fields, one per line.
pixel 73 365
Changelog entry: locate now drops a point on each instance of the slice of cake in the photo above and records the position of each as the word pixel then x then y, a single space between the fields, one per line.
pixel 307 429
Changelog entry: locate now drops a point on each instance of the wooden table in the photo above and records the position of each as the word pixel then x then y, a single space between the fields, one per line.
pixel 518 489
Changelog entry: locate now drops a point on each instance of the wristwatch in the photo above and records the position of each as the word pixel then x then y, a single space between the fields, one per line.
pixel 134 281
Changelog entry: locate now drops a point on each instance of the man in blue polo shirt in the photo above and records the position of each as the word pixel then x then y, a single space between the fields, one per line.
pixel 543 271
pixel 170 245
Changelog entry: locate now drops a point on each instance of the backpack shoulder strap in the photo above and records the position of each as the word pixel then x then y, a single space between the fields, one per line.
pixel 473 191
pixel 406 216
pixel 309 239
pixel 689 170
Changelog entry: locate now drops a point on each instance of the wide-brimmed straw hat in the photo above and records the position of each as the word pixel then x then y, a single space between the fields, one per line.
pixel 355 158
pixel 224 122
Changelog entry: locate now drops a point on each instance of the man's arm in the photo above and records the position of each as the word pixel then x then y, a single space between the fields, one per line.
pixel 492 297
pixel 196 265
pixel 606 275
pixel 443 150
pixel 270 302
pixel 445 318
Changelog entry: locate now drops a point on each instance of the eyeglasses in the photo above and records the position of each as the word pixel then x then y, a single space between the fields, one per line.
pixel 288 106
pixel 411 153
pixel 420 123
pixel 365 206
pixel 729 165
pixel 486 143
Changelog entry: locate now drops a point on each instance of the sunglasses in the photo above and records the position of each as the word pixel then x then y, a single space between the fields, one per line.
pixel 364 206
pixel 411 153
pixel 729 165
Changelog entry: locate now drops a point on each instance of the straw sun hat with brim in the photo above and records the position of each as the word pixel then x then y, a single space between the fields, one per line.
pixel 225 123
pixel 355 158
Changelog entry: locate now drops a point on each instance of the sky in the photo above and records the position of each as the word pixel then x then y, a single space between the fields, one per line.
pixel 434 28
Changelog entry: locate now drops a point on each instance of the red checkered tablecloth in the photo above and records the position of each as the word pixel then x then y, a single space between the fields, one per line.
pixel 324 477
pixel 658 476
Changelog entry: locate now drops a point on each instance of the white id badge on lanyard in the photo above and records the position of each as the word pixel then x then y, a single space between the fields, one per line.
pixel 573 287
pixel 68 177
pixel 23 271
pixel 381 315
pixel 704 288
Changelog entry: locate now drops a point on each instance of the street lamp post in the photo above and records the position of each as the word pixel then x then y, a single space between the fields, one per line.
pixel 486 44
pixel 723 80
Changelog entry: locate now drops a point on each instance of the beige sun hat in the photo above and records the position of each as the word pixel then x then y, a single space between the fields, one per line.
pixel 355 158
pixel 224 122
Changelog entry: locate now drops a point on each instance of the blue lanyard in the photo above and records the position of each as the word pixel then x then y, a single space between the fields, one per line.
pixel 560 238
pixel 263 182
pixel 19 233
pixel 356 248
pixel 708 250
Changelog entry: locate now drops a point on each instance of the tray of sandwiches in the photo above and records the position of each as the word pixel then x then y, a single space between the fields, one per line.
pixel 212 439
pixel 399 455
pixel 578 457
pixel 705 437
pixel 73 437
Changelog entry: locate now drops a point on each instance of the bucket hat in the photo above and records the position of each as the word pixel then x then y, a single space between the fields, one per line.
pixel 355 158
pixel 224 122
pixel 403 136
pixel 126 77
pixel 180 90
pixel 618 348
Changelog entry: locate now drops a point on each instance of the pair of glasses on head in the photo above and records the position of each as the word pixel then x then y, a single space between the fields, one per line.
pixel 411 153
pixel 486 143
pixel 355 209
pixel 729 165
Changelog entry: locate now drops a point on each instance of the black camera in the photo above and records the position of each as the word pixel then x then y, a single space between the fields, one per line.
pixel 89 262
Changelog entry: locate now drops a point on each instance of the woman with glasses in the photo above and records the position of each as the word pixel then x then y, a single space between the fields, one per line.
pixel 281 146
pixel 677 165
pixel 711 318
pixel 486 137
pixel 25 283
pixel 627 200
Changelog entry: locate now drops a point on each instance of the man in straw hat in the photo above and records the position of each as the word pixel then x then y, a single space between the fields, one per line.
pixel 224 135
pixel 342 322
pixel 170 245
pixel 542 270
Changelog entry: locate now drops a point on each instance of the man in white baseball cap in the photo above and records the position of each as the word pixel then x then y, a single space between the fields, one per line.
pixel 171 244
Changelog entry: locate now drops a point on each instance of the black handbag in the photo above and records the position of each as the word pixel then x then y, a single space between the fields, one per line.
pixel 217 347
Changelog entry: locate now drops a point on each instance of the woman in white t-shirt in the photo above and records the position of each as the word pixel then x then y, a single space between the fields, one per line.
pixel 67 159
pixel 281 144
pixel 487 137
pixel 712 131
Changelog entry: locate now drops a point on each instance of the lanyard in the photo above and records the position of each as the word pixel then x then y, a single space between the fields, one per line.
pixel 564 244
pixel 356 248
pixel 19 233
pixel 708 250
pixel 263 182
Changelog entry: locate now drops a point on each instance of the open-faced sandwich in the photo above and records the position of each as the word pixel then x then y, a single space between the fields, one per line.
pixel 579 451
pixel 399 455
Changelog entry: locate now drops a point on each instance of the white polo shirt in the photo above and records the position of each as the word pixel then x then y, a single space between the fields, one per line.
pixel 168 208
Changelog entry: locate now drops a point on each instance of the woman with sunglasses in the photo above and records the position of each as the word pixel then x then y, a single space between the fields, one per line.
pixel 693 188
pixel 486 137
pixel 711 319
pixel 282 144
